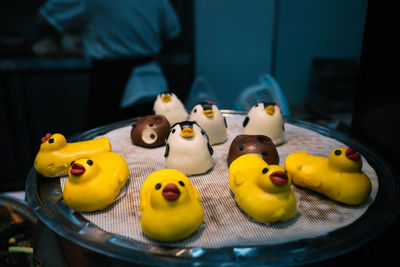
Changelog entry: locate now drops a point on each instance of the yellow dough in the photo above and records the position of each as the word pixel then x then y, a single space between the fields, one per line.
pixel 170 206
pixel 55 154
pixel 263 191
pixel 338 177
pixel 95 182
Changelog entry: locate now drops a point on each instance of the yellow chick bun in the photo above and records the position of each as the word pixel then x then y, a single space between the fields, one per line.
pixel 94 183
pixel 338 177
pixel 262 191
pixel 170 206
pixel 55 154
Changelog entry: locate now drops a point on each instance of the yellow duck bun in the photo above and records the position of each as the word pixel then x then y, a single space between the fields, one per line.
pixel 93 184
pixel 339 177
pixel 56 154
pixel 170 206
pixel 262 191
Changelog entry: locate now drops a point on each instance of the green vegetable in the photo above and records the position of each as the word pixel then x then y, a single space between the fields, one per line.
pixel 27 250
pixel 17 232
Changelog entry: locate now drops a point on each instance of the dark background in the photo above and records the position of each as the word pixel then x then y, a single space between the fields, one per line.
pixel 376 116
pixel 50 94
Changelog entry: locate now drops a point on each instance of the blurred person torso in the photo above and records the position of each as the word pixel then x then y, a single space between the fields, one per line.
pixel 119 29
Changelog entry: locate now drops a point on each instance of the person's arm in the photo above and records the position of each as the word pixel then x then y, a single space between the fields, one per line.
pixel 57 17
pixel 170 27
pixel 46 28
pixel 170 24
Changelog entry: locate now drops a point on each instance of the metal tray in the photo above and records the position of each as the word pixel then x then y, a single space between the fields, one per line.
pixel 19 206
pixel 45 199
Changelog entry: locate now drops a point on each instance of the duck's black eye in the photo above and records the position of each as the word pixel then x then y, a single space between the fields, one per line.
pixel 265 170
pixel 89 162
pixel 158 186
pixel 72 162
pixel 181 183
pixel 51 140
pixel 241 147
pixel 338 152
pixel 264 152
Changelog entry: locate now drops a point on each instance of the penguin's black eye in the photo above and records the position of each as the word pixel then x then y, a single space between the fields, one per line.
pixel 51 140
pixel 173 130
pixel 203 132
pixel 195 110
pixel 241 147
pixel 89 162
pixel 338 152
pixel 256 105
pixel 181 183
pixel 264 152
pixel 265 170
pixel 151 124
pixel 72 162
pixel 158 186
pixel 246 120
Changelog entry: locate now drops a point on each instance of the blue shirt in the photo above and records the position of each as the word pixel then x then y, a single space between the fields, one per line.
pixel 115 28
pixel 118 29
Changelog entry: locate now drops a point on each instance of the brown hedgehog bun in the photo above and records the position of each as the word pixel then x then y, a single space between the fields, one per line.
pixel 150 131
pixel 253 144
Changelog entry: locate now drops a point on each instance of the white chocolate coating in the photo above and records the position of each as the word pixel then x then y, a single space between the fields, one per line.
pixel 173 110
pixel 260 122
pixel 215 125
pixel 149 136
pixel 189 155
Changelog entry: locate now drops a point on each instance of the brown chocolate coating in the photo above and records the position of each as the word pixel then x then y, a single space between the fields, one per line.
pixel 253 144
pixel 150 131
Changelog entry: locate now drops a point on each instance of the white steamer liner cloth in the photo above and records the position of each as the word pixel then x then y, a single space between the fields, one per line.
pixel 225 225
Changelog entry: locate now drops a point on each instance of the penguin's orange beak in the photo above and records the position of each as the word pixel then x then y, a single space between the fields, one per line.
pixel 187 132
pixel 208 113
pixel 270 109
pixel 166 98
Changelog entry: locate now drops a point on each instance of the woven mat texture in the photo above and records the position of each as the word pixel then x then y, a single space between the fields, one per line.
pixel 225 225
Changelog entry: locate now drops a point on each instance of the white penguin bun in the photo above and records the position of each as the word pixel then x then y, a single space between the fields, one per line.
pixel 169 105
pixel 265 119
pixel 187 149
pixel 209 117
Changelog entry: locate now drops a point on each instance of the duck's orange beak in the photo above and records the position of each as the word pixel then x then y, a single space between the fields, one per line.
pixel 187 132
pixel 208 113
pixel 279 178
pixel 77 169
pixel 270 109
pixel 166 98
pixel 171 192
pixel 352 154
